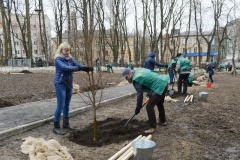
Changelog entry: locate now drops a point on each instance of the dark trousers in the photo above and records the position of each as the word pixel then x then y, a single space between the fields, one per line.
pixel 210 77
pixel 180 79
pixel 171 76
pixel 158 100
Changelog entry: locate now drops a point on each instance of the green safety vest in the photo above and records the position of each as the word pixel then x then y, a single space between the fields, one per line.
pixel 152 80
pixel 190 78
pixel 171 62
pixel 185 64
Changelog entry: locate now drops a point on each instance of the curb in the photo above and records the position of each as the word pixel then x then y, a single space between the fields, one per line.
pixel 26 127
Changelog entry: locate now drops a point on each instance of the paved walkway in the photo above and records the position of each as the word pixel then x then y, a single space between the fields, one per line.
pixel 20 118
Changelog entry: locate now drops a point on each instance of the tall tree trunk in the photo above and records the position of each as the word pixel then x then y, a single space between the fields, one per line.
pixel 29 31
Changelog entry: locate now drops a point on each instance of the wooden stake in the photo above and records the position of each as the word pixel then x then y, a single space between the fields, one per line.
pixel 185 100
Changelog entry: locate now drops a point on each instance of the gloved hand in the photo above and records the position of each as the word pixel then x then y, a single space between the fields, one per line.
pixel 137 110
pixel 86 69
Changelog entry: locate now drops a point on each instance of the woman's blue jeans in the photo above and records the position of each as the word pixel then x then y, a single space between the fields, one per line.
pixel 64 95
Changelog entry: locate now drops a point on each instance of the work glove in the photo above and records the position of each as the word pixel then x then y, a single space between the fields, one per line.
pixel 137 110
pixel 86 69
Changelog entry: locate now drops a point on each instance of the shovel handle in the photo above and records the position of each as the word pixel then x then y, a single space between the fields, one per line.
pixel 130 119
pixel 146 101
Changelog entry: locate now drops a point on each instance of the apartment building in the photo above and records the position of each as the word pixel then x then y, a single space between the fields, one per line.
pixel 190 50
pixel 18 51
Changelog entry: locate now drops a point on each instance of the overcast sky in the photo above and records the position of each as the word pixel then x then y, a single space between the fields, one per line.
pixel 207 23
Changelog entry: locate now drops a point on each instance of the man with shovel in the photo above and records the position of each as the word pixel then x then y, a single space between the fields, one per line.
pixel 145 80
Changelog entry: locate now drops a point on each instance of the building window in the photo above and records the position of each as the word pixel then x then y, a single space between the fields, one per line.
pixel 106 53
pixel 189 41
pixel 35 51
pixel 189 50
pixel 17 52
pixel 97 43
pixel 200 49
pixel 195 49
pixel 34 34
pixel 34 26
pixel 183 41
pixel 81 45
pixel 35 42
pixel 184 50
pixel 16 43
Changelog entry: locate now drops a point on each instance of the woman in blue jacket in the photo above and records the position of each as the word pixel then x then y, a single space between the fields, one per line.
pixel 63 82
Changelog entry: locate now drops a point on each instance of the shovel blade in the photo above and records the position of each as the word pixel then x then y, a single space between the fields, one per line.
pixel 171 91
pixel 129 120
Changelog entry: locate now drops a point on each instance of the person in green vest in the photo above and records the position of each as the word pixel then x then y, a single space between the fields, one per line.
pixel 98 67
pixel 183 67
pixel 109 66
pixel 145 80
pixel 172 70
pixel 190 80
pixel 131 66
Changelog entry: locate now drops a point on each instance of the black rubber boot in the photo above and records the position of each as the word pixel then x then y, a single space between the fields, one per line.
pixel 57 129
pixel 66 123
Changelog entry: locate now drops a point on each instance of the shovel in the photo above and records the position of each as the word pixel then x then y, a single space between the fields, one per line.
pixel 146 101
pixel 171 91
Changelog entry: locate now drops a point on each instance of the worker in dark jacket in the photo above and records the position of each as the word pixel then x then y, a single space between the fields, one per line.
pixel 150 62
pixel 155 85
pixel 63 81
pixel 210 71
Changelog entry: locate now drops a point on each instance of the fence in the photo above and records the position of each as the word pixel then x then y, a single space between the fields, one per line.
pixel 19 62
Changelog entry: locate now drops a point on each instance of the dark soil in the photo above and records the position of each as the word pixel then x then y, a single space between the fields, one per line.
pixel 114 128
pixel 24 88
pixel 198 130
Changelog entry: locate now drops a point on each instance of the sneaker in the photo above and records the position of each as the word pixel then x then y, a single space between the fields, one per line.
pixel 151 130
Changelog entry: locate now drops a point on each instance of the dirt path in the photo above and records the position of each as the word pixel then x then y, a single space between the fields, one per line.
pixel 197 130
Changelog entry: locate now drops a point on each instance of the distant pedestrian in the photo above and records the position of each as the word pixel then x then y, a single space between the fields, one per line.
pixel 98 66
pixel 63 81
pixel 131 66
pixel 109 67
pixel 210 71
pixel 172 70
pixel 150 62
pixel 126 65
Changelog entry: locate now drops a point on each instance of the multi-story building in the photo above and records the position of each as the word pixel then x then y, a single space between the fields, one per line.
pixel 18 51
pixel 190 50
pixel 232 43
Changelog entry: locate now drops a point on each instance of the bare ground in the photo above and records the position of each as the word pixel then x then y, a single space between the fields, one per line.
pixel 197 130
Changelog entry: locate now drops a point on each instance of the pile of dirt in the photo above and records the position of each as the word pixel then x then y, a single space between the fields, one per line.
pixel 25 71
pixel 107 129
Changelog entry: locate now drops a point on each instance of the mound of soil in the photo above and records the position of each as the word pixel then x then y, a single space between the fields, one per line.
pixel 111 130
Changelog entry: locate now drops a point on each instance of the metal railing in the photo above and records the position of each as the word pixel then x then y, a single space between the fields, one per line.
pixel 19 62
